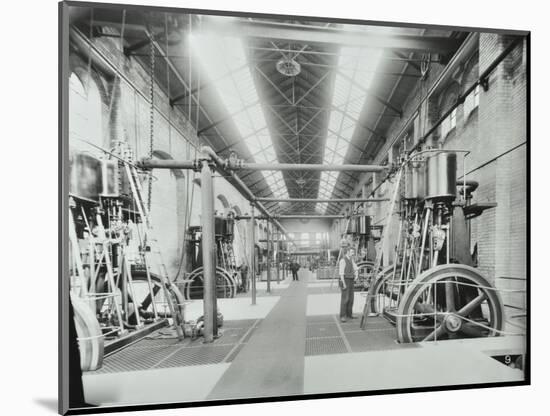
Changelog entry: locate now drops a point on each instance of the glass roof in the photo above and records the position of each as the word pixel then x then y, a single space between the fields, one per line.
pixel 355 71
pixel 224 60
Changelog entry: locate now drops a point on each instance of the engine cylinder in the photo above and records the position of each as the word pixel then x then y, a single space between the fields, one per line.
pixel 441 176
pixel 364 224
pixel 415 183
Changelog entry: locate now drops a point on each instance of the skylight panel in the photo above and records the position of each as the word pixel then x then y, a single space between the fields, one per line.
pixel 224 60
pixel 355 71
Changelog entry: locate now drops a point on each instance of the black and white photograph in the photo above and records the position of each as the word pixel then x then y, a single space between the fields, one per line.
pixel 260 207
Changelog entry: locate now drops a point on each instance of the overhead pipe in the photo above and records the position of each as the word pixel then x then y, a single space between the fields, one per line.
pixel 335 200
pixel 239 165
pixel 241 186
pixel 293 217
pixel 221 166
pixel 148 163
pixel 226 168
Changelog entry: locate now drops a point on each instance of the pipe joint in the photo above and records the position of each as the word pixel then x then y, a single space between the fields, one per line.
pixel 197 163
pixel 143 163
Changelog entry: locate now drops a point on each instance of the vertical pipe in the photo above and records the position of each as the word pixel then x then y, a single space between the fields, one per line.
pixel 252 257
pixel 208 246
pixel 268 239
pixel 423 244
pixel 278 257
pixel 124 285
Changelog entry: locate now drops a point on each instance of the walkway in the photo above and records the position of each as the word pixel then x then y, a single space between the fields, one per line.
pixel 272 362
pixel 290 343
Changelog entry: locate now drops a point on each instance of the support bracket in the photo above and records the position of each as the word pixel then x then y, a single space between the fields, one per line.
pixel 484 82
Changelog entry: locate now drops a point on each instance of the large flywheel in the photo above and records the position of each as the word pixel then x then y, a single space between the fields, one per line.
pixel 143 297
pixel 90 336
pixel 226 284
pixel 383 292
pixel 447 302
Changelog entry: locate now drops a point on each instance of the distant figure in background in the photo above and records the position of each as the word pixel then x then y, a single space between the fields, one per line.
pixel 294 267
pixel 348 274
pixel 244 276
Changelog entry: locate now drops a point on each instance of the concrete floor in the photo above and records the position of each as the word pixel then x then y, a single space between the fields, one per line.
pixel 292 343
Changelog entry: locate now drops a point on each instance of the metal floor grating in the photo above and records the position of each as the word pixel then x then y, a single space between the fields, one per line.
pixel 230 336
pixel 206 354
pixel 157 342
pixel 375 325
pixel 321 346
pixel 164 352
pixel 323 329
pixel 135 359
pixel 375 341
pixel 312 319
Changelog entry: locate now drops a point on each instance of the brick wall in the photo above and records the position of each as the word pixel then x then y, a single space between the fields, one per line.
pixel 495 135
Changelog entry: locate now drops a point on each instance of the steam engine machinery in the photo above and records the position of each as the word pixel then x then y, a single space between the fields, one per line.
pixel 432 290
pixel 119 284
pixel 359 235
pixel 227 272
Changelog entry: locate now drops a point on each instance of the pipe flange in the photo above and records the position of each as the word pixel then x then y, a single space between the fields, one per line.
pixel 142 163
pixel 197 163
pixel 235 164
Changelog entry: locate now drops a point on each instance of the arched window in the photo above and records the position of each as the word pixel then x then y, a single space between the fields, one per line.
pixel 85 115
pixel 221 204
pixel 447 100
pixel 471 73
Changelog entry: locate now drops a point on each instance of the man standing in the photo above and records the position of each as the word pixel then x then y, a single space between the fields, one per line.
pixel 294 267
pixel 348 274
pixel 244 275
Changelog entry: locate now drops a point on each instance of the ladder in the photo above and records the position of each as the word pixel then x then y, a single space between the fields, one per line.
pixel 153 254
pixel 232 262
pixel 94 263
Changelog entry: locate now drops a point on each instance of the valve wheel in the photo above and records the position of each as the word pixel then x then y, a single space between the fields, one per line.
pixel 447 302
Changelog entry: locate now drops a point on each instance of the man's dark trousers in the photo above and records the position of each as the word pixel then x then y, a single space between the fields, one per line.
pixel 346 301
pixel 294 274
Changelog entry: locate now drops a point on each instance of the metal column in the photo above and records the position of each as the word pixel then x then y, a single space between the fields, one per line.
pixel 208 255
pixel 278 257
pixel 268 257
pixel 252 257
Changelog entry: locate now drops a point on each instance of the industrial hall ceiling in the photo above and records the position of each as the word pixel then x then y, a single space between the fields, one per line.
pixel 281 90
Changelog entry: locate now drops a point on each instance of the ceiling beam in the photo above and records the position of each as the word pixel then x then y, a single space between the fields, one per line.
pixel 332 36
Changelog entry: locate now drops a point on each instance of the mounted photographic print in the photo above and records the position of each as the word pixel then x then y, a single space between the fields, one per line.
pixel 267 207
